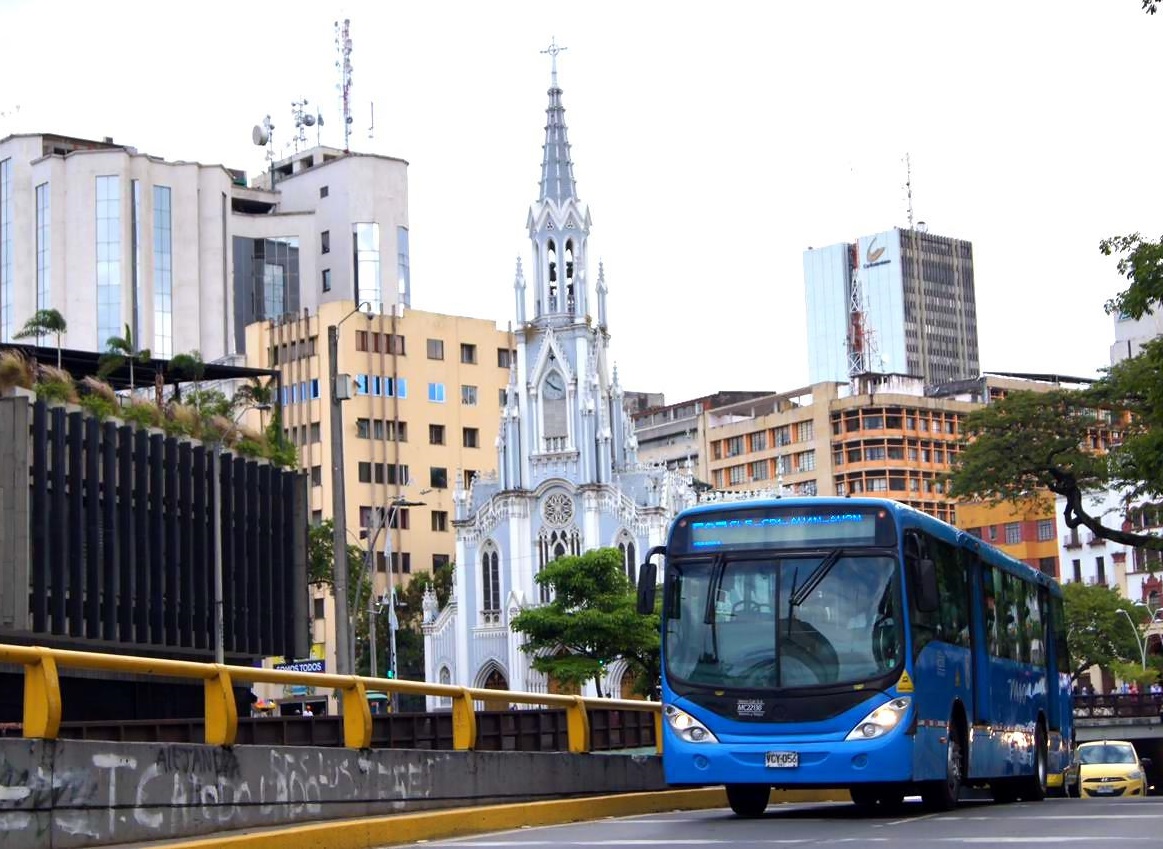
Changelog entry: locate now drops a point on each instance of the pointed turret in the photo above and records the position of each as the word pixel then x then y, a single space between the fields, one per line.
pixel 557 181
pixel 519 291
pixel 602 290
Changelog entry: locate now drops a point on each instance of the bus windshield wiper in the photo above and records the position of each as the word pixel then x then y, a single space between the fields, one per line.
pixel 800 595
pixel 717 568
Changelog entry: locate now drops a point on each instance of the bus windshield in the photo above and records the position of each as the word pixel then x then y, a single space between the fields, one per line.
pixel 801 620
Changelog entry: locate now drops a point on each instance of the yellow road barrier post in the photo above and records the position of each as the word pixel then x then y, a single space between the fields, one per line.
pixel 658 731
pixel 464 722
pixel 578 724
pixel 357 716
pixel 221 709
pixel 42 697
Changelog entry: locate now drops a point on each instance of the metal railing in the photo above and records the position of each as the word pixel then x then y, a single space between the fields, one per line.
pixel 43 708
pixel 1119 705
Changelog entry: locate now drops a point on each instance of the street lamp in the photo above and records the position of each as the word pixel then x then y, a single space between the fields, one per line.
pixel 1138 641
pixel 343 647
pixel 216 478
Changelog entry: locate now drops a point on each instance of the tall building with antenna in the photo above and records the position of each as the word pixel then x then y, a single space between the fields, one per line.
pixel 900 301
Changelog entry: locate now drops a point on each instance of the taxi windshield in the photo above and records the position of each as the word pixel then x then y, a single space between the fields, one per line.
pixel 1107 753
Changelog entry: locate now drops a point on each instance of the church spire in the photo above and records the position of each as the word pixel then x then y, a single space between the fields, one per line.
pixel 557 181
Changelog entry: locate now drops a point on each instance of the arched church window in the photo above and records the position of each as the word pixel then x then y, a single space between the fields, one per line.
pixel 445 678
pixel 551 257
pixel 569 288
pixel 552 544
pixel 629 556
pixel 490 586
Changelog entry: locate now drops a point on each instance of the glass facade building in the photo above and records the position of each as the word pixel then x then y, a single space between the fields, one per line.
pixel 368 286
pixel 43 247
pixel 6 283
pixel 163 273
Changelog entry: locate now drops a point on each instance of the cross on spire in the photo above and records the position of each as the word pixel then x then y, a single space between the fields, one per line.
pixel 553 50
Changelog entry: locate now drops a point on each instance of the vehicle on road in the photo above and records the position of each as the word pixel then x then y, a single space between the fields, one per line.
pixel 859 644
pixel 1103 769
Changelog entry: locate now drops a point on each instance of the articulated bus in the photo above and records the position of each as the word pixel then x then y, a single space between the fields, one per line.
pixel 855 643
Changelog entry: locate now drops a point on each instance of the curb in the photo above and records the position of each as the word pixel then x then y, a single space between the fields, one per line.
pixel 369 832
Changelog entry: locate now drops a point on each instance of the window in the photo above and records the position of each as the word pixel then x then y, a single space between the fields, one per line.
pixel 1076 565
pixel 1045 530
pixel 316 476
pixel 805 431
pixel 316 518
pixel 992 531
pixel 734 446
pixel 439 561
pixel 362 428
pixel 108 202
pixel 327 284
pixel 402 562
pixel 361 340
pixel 504 359
pixel 1013 533
pixel 436 392
pixel 435 349
pixel 466 476
pixel 738 475
pixel 440 520
pixel 323 192
pixel 315 434
pixel 490 584
pixel 163 273
pixel 470 437
pixel 317 608
pixel 438 477
pixel 1099 570
pixel 401 519
pixel 759 440
pixel 468 354
pixel 325 242
pixel 366 248
pixel 759 470
pixel 468 395
pixel 435 434
pixel 398 473
pixel 365 472
pixel 403 272
pixel 502 396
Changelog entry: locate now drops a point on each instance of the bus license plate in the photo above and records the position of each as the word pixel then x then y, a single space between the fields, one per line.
pixel 783 759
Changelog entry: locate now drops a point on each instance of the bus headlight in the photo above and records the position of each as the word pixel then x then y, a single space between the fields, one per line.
pixel 687 727
pixel 882 720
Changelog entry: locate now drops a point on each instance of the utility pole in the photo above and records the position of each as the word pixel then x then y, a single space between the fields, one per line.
pixel 343 645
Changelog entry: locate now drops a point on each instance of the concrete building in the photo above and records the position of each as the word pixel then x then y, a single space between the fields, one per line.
pixel 187 254
pixel 668 435
pixel 568 477
pixel 901 301
pixel 424 417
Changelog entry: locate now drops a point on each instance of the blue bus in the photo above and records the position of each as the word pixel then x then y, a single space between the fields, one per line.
pixel 855 643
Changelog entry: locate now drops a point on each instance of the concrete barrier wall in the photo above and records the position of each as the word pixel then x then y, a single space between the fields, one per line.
pixel 73 793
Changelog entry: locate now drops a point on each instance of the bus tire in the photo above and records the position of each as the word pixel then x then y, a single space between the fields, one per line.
pixel 943 795
pixel 1033 787
pixel 748 800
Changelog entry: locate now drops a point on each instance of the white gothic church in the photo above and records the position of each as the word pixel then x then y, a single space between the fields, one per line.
pixel 568 479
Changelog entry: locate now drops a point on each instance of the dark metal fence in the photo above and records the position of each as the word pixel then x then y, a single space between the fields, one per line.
pixel 497 731
pixel 1119 706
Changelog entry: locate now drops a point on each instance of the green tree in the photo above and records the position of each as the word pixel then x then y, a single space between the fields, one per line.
pixel 1151 6
pixel 1027 443
pixel 119 351
pixel 592 620
pixel 1096 632
pixel 42 323
pixel 189 366
pixel 256 394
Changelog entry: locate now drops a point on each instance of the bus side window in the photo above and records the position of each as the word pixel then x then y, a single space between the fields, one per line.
pixel 990 602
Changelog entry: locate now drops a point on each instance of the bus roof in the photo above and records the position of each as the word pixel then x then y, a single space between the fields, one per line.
pixel 910 516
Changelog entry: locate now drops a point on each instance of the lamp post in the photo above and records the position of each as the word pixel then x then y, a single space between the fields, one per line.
pixel 216 488
pixel 1138 640
pixel 343 647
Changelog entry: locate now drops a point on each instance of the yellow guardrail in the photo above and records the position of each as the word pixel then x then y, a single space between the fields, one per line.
pixel 42 695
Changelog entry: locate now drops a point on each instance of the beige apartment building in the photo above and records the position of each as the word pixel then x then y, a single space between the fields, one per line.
pixel 424 413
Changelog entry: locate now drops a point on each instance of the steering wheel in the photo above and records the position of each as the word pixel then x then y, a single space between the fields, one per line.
pixel 884 641
pixel 750 607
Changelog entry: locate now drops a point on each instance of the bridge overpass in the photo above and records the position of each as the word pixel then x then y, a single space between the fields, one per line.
pixel 57 792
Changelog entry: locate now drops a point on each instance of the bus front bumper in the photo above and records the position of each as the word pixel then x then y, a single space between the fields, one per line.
pixel 838 763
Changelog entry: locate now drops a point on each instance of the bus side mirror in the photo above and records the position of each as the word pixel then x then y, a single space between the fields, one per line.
pixel 925 585
pixel 647 579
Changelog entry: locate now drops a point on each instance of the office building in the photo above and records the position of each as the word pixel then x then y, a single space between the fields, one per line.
pixel 901 302
pixel 187 254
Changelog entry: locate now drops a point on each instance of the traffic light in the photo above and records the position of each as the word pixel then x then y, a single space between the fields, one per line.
pixel 391 673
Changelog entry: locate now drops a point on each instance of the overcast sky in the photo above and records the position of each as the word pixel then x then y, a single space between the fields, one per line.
pixel 713 142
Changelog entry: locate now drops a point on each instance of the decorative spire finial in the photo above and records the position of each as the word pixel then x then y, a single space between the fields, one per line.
pixel 553 50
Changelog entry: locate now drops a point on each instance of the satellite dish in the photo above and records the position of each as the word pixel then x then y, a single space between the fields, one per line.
pixel 260 135
pixel 309 120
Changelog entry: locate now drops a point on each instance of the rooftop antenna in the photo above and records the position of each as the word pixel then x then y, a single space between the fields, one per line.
pixel 371 131
pixel 263 135
pixel 318 128
pixel 303 120
pixel 343 46
pixel 909 187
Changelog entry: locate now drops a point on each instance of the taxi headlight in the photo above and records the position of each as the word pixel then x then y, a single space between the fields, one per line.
pixel 1135 775
pixel 882 720
pixel 687 727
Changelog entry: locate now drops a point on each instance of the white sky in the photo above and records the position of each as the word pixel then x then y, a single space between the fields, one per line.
pixel 714 142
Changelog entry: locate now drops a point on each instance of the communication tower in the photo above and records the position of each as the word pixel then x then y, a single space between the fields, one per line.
pixel 343 63
pixel 861 337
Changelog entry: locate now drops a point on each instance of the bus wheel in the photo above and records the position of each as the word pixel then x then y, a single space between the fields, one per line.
pixel 748 800
pixel 943 795
pixel 1033 787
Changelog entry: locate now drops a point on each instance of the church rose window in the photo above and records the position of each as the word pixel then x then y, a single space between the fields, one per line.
pixel 558 509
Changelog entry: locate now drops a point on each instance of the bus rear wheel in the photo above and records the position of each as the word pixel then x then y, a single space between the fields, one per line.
pixel 748 800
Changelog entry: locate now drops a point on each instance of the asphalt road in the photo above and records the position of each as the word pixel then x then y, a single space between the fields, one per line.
pixel 1069 822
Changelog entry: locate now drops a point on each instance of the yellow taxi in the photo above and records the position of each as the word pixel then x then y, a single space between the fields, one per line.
pixel 1106 769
